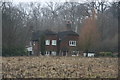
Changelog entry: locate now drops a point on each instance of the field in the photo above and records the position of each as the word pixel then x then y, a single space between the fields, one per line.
pixel 59 67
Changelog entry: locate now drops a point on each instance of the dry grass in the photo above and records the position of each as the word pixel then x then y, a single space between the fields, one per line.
pixel 59 67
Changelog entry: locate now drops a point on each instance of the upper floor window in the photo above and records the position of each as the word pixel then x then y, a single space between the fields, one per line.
pixel 72 43
pixel 54 42
pixel 47 42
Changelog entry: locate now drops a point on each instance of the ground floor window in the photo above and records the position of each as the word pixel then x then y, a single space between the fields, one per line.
pixel 50 53
pixel 54 53
pixel 75 53
pixel 47 53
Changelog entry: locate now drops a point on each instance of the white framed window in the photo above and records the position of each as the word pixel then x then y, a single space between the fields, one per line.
pixel 47 53
pixel 72 43
pixel 54 42
pixel 47 42
pixel 54 53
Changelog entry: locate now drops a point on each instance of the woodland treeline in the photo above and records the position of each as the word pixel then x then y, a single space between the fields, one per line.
pixel 20 20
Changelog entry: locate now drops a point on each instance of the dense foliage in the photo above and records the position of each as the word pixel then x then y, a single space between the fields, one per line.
pixel 42 44
pixel 14 51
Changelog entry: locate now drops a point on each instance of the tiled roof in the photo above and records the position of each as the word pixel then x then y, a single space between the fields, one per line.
pixel 48 32
pixel 68 33
pixel 36 35
pixel 64 33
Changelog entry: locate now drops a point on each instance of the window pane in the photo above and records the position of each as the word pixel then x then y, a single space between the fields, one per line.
pixel 54 53
pixel 72 43
pixel 47 42
pixel 53 42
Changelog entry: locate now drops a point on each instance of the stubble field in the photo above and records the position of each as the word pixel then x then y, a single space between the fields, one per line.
pixel 59 67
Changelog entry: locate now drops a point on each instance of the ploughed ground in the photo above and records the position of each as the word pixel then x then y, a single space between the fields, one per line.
pixel 59 67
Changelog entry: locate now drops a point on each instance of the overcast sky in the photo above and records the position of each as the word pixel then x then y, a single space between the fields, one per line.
pixel 17 1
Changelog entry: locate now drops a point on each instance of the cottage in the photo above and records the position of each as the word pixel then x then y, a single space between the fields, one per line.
pixel 62 43
pixel 50 43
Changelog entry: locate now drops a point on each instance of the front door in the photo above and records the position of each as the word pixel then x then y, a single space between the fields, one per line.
pixel 64 53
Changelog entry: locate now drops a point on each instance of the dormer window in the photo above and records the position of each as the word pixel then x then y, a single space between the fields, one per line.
pixel 47 42
pixel 72 43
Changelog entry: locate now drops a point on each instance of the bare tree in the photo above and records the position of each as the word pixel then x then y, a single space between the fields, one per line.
pixel 89 35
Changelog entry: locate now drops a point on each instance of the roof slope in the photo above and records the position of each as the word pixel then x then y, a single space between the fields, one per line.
pixel 64 33
pixel 36 35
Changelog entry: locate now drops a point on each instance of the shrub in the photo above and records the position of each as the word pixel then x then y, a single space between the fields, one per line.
pixel 105 54
pixel 14 51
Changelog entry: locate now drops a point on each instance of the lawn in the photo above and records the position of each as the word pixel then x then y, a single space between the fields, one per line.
pixel 59 67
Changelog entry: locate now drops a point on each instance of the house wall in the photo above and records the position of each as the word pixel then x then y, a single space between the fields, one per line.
pixel 35 45
pixel 51 47
pixel 65 45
